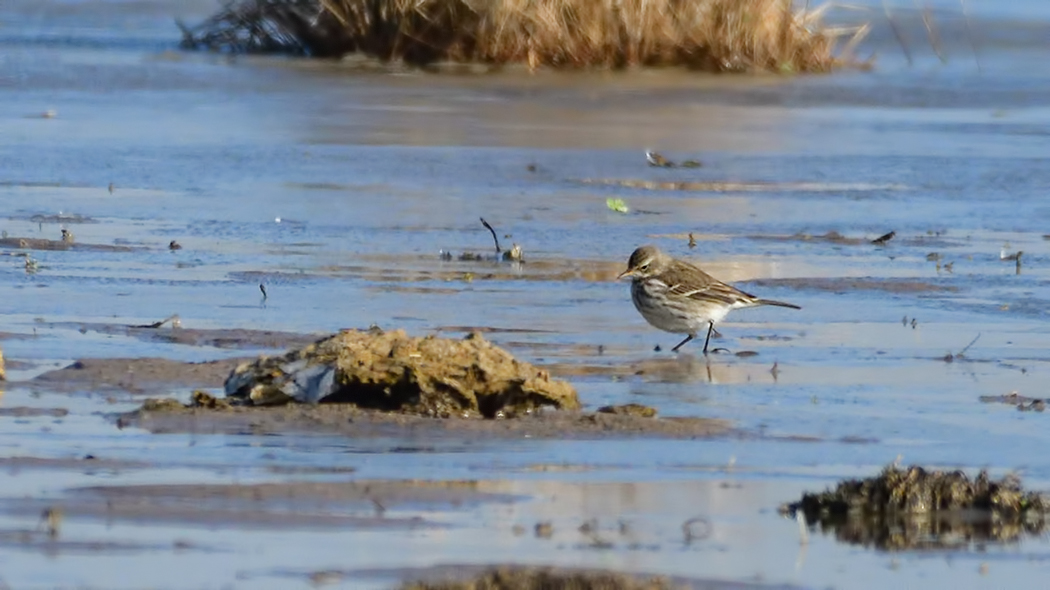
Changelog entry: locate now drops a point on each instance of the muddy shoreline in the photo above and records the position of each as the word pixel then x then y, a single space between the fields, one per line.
pixel 354 422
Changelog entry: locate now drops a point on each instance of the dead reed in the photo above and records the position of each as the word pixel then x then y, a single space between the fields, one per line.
pixel 709 35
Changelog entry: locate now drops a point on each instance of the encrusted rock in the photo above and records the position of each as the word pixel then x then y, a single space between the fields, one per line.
pixel 392 371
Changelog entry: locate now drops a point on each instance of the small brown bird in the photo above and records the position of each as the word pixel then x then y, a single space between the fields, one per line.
pixel 173 245
pixel 678 297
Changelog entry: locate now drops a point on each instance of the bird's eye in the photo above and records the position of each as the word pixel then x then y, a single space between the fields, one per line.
pixel 644 267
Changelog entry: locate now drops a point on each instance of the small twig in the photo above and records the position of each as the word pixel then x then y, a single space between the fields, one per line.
pixel 174 319
pixel 963 351
pixel 494 238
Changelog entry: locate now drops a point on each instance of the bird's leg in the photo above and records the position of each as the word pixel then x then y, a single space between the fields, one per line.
pixel 687 339
pixel 710 328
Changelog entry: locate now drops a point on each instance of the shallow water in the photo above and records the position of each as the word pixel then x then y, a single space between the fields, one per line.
pixel 338 189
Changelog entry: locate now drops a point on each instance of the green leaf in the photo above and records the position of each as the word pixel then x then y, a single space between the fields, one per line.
pixel 616 205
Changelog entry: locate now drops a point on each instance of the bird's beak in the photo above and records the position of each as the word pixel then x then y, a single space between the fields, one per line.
pixel 627 273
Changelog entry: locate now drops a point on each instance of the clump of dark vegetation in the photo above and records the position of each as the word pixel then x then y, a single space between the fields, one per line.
pixel 540 578
pixel 709 35
pixel 912 507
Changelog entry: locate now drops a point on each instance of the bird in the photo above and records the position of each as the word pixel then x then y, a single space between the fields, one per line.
pixel 676 296
pixel 173 245
pixel 67 236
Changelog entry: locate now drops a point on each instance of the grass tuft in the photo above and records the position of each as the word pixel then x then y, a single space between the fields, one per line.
pixel 707 35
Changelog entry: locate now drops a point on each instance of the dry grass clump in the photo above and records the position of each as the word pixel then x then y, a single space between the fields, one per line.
pixel 710 35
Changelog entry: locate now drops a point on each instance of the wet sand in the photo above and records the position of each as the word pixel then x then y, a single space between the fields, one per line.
pixel 354 197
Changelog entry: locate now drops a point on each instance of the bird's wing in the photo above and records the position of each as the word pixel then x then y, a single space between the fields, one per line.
pixel 703 287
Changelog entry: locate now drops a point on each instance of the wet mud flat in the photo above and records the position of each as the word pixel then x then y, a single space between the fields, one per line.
pixel 169 416
pixel 858 197
pixel 368 383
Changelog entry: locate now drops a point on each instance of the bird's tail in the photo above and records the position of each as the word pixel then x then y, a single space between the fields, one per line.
pixel 776 303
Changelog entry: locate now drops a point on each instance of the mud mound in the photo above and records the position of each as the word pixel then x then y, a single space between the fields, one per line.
pixel 392 371
pixel 904 508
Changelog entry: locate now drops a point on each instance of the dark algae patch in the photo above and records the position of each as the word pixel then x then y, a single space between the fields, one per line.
pixel 916 508
pixel 391 371
pixel 543 578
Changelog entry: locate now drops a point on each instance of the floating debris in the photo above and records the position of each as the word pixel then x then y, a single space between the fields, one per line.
pixel 881 240
pixel 392 371
pixel 176 322
pixel 912 507
pixel 629 410
pixel 617 205
pixel 51 521
pixel 515 254
pixel 656 160
pixel 950 358
pixel 1023 403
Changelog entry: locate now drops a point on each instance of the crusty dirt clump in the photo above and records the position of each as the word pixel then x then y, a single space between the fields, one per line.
pixel 392 371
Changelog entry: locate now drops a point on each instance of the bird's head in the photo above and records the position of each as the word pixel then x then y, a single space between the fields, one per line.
pixel 645 262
